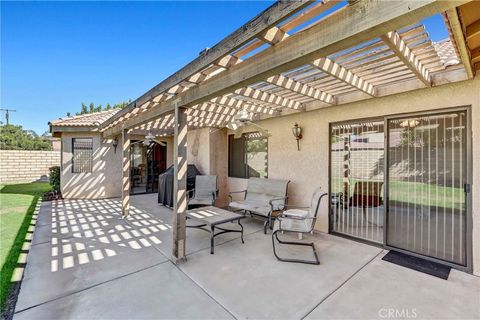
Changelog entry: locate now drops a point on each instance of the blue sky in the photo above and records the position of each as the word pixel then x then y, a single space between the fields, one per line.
pixel 56 55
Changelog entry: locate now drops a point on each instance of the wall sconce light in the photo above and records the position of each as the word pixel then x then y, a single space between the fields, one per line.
pixel 115 145
pixel 297 133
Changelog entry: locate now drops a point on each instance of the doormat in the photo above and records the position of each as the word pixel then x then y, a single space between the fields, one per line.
pixel 429 267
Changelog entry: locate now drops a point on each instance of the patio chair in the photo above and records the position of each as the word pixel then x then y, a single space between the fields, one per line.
pixel 205 191
pixel 299 220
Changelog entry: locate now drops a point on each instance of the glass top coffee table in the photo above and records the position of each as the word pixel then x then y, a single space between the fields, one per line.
pixel 210 218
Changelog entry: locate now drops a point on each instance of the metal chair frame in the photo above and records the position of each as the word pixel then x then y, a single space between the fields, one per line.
pixel 316 261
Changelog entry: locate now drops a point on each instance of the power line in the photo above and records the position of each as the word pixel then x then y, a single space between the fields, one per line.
pixel 7 114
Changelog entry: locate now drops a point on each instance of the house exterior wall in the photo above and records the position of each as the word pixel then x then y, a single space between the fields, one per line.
pixel 309 167
pixel 198 153
pixel 206 151
pixel 56 145
pixel 105 179
pixel 26 165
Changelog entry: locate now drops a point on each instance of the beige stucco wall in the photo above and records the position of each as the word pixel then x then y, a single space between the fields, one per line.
pixel 103 181
pixel 198 153
pixel 205 150
pixel 308 168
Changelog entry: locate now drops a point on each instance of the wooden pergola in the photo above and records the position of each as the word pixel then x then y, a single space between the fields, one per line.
pixel 294 56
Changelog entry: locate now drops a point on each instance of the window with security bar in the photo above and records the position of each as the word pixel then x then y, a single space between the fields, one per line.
pixel 248 156
pixel 82 155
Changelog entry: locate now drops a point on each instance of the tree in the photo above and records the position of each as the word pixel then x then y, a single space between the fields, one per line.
pixel 91 107
pixel 15 138
pixel 123 104
pixel 83 110
pixel 31 133
pixel 255 146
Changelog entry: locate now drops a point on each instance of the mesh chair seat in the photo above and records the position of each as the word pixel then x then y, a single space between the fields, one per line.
pixel 296 224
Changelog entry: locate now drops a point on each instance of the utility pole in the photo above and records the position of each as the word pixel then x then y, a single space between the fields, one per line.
pixel 7 114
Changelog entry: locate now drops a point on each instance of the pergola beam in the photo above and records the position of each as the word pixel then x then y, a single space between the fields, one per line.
pixel 473 30
pixel 159 123
pixel 241 104
pixel 460 41
pixel 396 44
pixel 273 15
pixel 476 55
pixel 194 115
pixel 141 132
pixel 205 109
pixel 273 35
pixel 335 70
pixel 269 98
pixel 308 14
pixel 301 88
pixel 333 34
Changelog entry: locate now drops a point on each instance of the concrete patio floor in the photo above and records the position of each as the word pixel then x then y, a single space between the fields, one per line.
pixel 85 262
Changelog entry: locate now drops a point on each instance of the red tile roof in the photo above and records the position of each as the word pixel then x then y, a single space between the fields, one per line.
pixel 85 120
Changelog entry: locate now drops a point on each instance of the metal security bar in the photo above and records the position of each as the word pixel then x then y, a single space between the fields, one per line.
pixel 426 179
pixel 356 179
pixel 82 160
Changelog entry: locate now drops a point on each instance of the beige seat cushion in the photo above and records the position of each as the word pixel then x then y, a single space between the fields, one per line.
pixel 242 205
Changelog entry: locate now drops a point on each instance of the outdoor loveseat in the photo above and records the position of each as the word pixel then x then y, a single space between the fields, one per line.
pixel 263 197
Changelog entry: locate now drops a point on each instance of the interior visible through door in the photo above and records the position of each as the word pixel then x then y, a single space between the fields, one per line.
pixel 148 160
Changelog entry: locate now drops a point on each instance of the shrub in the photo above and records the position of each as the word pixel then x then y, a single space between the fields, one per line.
pixel 16 138
pixel 54 178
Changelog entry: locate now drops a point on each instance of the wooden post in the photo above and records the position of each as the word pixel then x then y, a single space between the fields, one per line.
pixel 180 184
pixel 125 173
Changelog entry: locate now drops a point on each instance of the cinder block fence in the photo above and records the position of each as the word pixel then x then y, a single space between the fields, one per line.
pixel 26 166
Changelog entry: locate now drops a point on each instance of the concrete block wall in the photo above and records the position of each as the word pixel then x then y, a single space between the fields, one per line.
pixel 26 165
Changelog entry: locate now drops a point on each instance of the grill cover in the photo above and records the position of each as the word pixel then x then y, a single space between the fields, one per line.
pixel 165 184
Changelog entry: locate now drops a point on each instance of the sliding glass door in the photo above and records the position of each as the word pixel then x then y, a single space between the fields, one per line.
pixel 427 158
pixel 402 182
pixel 356 179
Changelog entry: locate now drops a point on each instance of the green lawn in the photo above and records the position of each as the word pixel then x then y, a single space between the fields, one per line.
pixel 416 193
pixel 17 204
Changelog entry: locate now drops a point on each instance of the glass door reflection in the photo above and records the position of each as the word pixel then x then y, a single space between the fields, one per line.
pixel 426 178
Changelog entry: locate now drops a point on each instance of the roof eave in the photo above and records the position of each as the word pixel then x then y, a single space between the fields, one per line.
pixel 54 130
